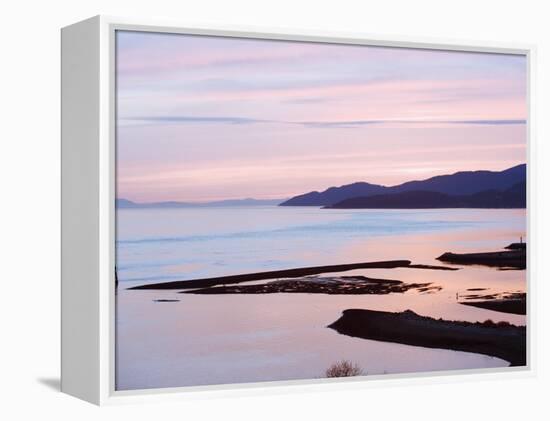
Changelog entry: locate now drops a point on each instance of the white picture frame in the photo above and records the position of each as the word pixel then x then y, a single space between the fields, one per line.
pixel 88 210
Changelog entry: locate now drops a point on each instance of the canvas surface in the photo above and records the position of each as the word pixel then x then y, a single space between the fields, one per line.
pixel 290 210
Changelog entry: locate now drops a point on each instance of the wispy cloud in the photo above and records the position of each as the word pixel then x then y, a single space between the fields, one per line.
pixel 360 123
pixel 310 100
pixel 194 119
pixel 316 124
pixel 216 117
pixel 488 122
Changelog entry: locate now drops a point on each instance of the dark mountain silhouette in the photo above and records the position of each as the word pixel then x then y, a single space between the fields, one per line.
pixel 460 183
pixel 335 194
pixel 514 197
pixel 128 204
pixel 467 182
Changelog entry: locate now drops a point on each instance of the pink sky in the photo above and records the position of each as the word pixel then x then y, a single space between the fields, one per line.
pixel 207 118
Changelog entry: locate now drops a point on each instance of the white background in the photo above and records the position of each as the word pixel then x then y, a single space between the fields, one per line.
pixel 29 234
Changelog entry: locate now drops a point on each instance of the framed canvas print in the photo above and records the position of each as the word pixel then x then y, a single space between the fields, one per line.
pixel 244 209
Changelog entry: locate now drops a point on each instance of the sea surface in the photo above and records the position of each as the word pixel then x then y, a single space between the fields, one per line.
pixel 221 339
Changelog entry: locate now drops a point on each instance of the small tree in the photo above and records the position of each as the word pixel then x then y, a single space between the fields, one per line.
pixel 344 368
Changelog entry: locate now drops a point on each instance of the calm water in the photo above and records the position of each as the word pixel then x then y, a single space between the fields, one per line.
pixel 221 339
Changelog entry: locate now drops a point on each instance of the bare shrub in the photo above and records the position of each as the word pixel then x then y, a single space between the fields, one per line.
pixel 344 368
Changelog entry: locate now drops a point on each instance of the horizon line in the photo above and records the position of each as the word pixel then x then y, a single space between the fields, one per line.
pixel 205 202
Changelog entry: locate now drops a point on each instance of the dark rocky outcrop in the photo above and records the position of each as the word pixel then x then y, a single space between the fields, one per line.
pixel 501 340
pixel 516 259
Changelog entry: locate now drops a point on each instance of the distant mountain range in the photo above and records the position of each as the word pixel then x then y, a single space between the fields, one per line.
pixel 477 189
pixel 128 204
pixel 514 197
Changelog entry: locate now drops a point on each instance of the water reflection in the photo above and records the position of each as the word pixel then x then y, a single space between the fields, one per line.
pixel 217 339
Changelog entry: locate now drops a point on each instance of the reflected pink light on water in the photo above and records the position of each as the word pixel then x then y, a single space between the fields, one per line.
pixel 216 339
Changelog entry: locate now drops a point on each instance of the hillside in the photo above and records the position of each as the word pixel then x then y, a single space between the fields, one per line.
pixel 460 183
pixel 335 194
pixel 514 197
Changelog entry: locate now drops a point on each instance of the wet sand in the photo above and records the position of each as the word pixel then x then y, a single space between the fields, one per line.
pixel 352 285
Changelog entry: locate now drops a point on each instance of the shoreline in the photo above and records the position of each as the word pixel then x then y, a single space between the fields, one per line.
pixel 287 273
pixel 338 285
pixel 501 340
pixel 512 257
pixel 273 274
pixel 504 305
